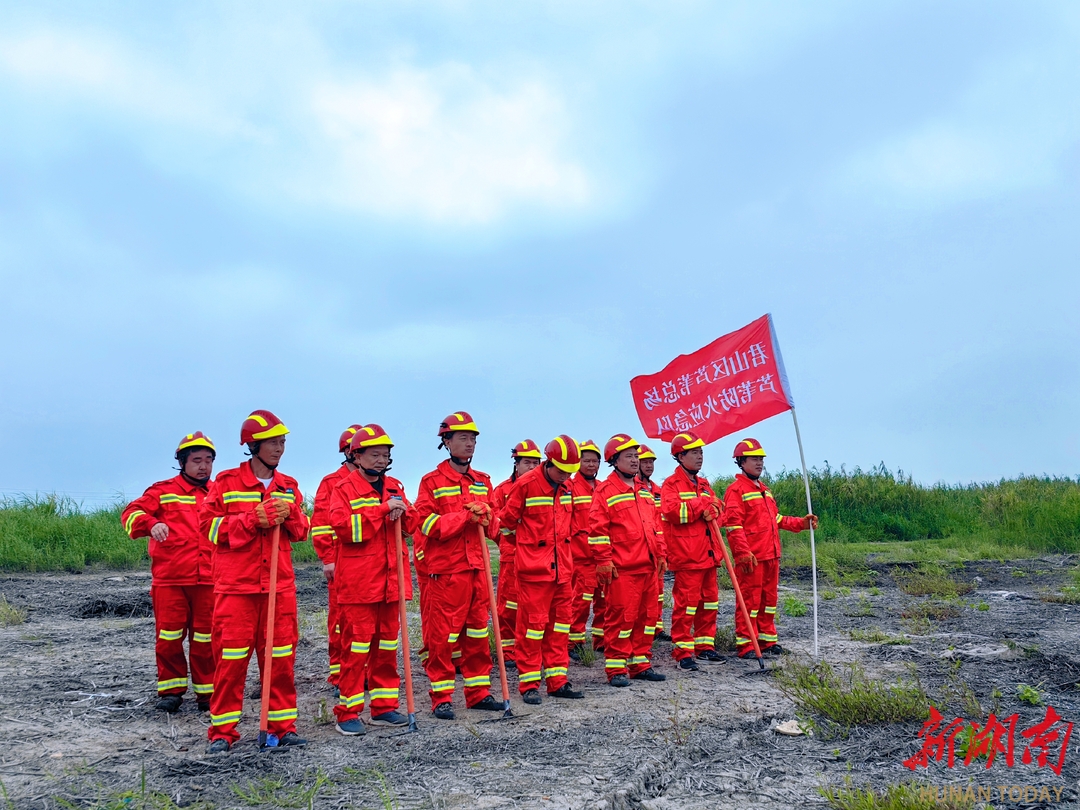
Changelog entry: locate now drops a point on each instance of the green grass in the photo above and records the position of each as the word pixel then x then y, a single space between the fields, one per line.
pixel 848 698
pixel 9 614
pixel 794 606
pixel 875 635
pixel 931 581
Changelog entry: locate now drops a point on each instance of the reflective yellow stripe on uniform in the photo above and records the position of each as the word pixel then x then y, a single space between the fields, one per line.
pixel 453 637
pixel 586 597
pixel 170 497
pixel 357 529
pixel 614 663
pixel 624 633
pixel 202 638
pixel 215 525
pixel 357 503
pixel 684 513
pixel 684 645
pixel 446 492
pixel 172 683
pixel 289 497
pixel 600 540
pixel 280 715
pixel 534 635
pixel 561 627
pixel 351 701
pixel 751 496
pixel 511 605
pixel 203 688
pixel 712 605
pixel 383 694
pixel 283 651
pixel 388 644
pixel 638 659
pixel 770 609
pixel 554 672
pixel 225 719
pixel 622 497
pixel 130 522
pixel 478 489
pixel 691 611
pixel 529 677
pixel 767 637
pixel 704 640
pixel 360 647
pixel 442 686
pixel 171 635
pixel 242 497
pixel 234 653
pixel 321 531
pixel 540 500
pixel 476 632
pixel 580 499
pixel 429 523
pixel 479 680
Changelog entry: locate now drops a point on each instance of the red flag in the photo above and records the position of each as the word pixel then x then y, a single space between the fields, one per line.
pixel 734 382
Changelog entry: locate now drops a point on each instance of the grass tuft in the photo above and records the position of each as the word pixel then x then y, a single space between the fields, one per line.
pixel 794 606
pixel 932 582
pixel 849 698
pixel 9 614
pixel 930 610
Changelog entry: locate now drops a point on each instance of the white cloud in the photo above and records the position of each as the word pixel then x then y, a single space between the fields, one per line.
pixel 444 143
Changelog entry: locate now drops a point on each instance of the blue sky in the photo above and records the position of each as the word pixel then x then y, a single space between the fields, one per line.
pixel 390 211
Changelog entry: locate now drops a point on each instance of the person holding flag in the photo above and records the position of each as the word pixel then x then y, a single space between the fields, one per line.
pixel 586 592
pixel 323 540
pixel 454 498
pixel 526 456
pixel 240 514
pixel 753 523
pixel 364 506
pixel 539 512
pixel 181 588
pixel 630 555
pixel 647 464
pixel 688 505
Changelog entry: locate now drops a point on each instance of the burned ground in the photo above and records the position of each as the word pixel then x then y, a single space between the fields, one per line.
pixel 77 708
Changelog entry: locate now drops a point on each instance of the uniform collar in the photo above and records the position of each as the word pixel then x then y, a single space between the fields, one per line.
pixel 247 475
pixel 450 472
pixel 634 484
pixel 185 485
pixel 757 484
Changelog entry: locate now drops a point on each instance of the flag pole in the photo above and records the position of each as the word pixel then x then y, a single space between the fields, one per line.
pixel 810 510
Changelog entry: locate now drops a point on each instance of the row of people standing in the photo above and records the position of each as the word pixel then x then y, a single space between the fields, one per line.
pixel 568 542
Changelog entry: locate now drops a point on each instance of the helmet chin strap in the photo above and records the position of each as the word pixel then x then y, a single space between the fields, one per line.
pixel 263 461
pixel 461 462
pixel 198 482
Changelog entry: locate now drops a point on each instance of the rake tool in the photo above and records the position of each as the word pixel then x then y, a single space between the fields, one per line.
pixel 266 739
pixel 403 620
pixel 715 532
pixel 507 714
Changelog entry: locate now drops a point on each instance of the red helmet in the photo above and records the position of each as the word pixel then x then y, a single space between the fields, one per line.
pixel 261 425
pixel 458 421
pixel 370 436
pixel 685 441
pixel 749 447
pixel 644 452
pixel 616 444
pixel 590 446
pixel 526 448
pixel 346 437
pixel 563 452
pixel 196 439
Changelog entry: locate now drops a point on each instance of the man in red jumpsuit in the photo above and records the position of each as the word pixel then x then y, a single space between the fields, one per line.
pixel 586 592
pixel 239 515
pixel 526 456
pixel 687 502
pixel 181 588
pixel 453 500
pixel 647 464
pixel 539 512
pixel 322 538
pixel 365 505
pixel 630 555
pixel 753 524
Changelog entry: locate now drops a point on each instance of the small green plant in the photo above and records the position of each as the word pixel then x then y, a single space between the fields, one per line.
pixel 828 595
pixel 876 635
pixel 932 581
pixel 323 717
pixel 680 732
pixel 9 614
pixel 281 792
pixel 845 590
pixel 864 607
pixel 1068 595
pixel 875 591
pixel 1018 574
pixel 1029 694
pixel 931 609
pixel 982 606
pixel 587 656
pixel 849 698
pixel 725 639
pixel 794 606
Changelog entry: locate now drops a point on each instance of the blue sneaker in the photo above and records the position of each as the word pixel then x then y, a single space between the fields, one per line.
pixel 390 718
pixel 351 728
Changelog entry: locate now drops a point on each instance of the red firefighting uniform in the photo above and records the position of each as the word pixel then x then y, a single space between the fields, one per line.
pixel 322 538
pixel 753 524
pixel 507 596
pixel 586 591
pixel 691 555
pixel 654 488
pixel 454 604
pixel 623 525
pixel 367 593
pixel 241 587
pixel 539 514
pixel 181 590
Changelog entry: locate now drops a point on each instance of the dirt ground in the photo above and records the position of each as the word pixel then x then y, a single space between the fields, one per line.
pixel 80 728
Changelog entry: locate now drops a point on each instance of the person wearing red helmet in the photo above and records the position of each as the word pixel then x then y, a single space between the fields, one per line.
pixel 630 554
pixel 453 499
pixel 753 523
pixel 239 515
pixel 526 456
pixel 181 587
pixel 539 513
pixel 687 503
pixel 646 467
pixel 365 505
pixel 587 594
pixel 323 540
